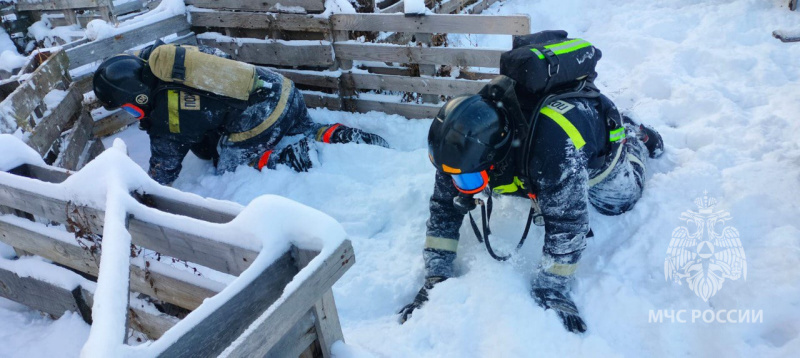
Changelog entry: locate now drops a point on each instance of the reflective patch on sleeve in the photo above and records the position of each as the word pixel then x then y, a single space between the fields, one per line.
pixel 562 269
pixel 441 243
pixel 566 125
pixel 561 106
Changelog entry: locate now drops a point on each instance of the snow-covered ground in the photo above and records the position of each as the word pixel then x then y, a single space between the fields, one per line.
pixel 708 75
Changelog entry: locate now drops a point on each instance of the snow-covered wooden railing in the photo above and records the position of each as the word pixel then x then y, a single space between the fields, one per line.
pixel 45 108
pixel 286 257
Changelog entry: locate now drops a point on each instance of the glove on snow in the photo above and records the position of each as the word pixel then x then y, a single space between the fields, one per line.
pixel 421 298
pixel 295 156
pixel 550 298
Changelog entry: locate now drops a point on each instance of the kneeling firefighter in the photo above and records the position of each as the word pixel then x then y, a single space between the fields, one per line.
pixel 198 99
pixel 542 131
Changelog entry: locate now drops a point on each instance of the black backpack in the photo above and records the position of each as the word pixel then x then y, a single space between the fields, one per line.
pixel 549 61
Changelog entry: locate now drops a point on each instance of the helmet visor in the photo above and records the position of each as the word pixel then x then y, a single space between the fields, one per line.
pixel 471 183
pixel 135 111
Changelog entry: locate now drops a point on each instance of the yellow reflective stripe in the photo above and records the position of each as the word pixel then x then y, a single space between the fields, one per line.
pixel 173 108
pixel 286 90
pixel 509 188
pixel 566 125
pixel 600 177
pixel 441 243
pixel 562 269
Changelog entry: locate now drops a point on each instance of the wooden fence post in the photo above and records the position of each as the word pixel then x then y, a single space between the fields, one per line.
pixel 329 330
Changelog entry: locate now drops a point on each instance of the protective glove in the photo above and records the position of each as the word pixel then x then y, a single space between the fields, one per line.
pixel 295 156
pixel 421 298
pixel 550 298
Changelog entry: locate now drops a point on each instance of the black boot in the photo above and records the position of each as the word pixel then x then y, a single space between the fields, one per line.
pixel 339 133
pixel 651 139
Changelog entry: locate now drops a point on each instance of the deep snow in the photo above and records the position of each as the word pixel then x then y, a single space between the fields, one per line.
pixel 708 75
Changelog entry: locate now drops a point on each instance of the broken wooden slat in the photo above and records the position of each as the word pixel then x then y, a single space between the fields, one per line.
pixel 52 125
pixel 439 86
pixel 101 49
pixel 428 56
pixel 21 103
pixel 155 284
pixel 275 53
pixel 268 330
pixel 76 141
pixel 312 6
pixel 38 5
pixel 451 24
pixel 236 314
pixel 112 124
pixel 252 20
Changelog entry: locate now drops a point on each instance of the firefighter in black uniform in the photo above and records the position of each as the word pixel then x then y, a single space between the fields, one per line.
pixel 232 132
pixel 583 152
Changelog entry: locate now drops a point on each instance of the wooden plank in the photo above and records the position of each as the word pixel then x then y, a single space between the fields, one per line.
pixel 451 24
pixel 408 110
pixel 431 85
pixel 76 142
pixel 152 325
pixel 483 5
pixel 177 207
pixel 95 148
pixel 310 78
pixel 173 242
pixel 128 7
pixel 159 285
pixel 426 56
pixel 21 103
pixel 296 340
pixel 39 295
pixel 99 50
pixel 312 6
pixel 396 7
pixel 272 326
pixel 52 125
pixel 112 124
pixel 236 314
pixel 253 20
pixel 38 5
pixel 328 327
pixel 275 53
pixel 322 100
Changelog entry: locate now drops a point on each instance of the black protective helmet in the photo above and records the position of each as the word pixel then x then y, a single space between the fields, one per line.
pixel 469 135
pixel 119 80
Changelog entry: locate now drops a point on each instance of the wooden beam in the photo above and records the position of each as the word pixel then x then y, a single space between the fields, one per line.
pixel 428 56
pixel 311 6
pixel 21 103
pixel 451 24
pixel 76 142
pixel 40 295
pixel 311 78
pixel 52 125
pixel 483 5
pixel 408 110
pixel 112 124
pixel 234 316
pixel 160 285
pixel 101 49
pixel 327 325
pixel 38 5
pixel 429 85
pixel 275 53
pixel 296 340
pixel 454 6
pixel 322 100
pixel 254 20
pixel 206 251
pixel 273 325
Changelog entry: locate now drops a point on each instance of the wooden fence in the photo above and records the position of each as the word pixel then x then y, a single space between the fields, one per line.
pixel 59 130
pixel 386 67
pixel 71 12
pixel 306 316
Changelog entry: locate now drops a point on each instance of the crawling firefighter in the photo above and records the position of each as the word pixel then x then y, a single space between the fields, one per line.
pixel 544 132
pixel 198 99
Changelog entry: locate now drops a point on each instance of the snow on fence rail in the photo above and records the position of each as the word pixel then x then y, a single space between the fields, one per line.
pixel 45 106
pixel 280 304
